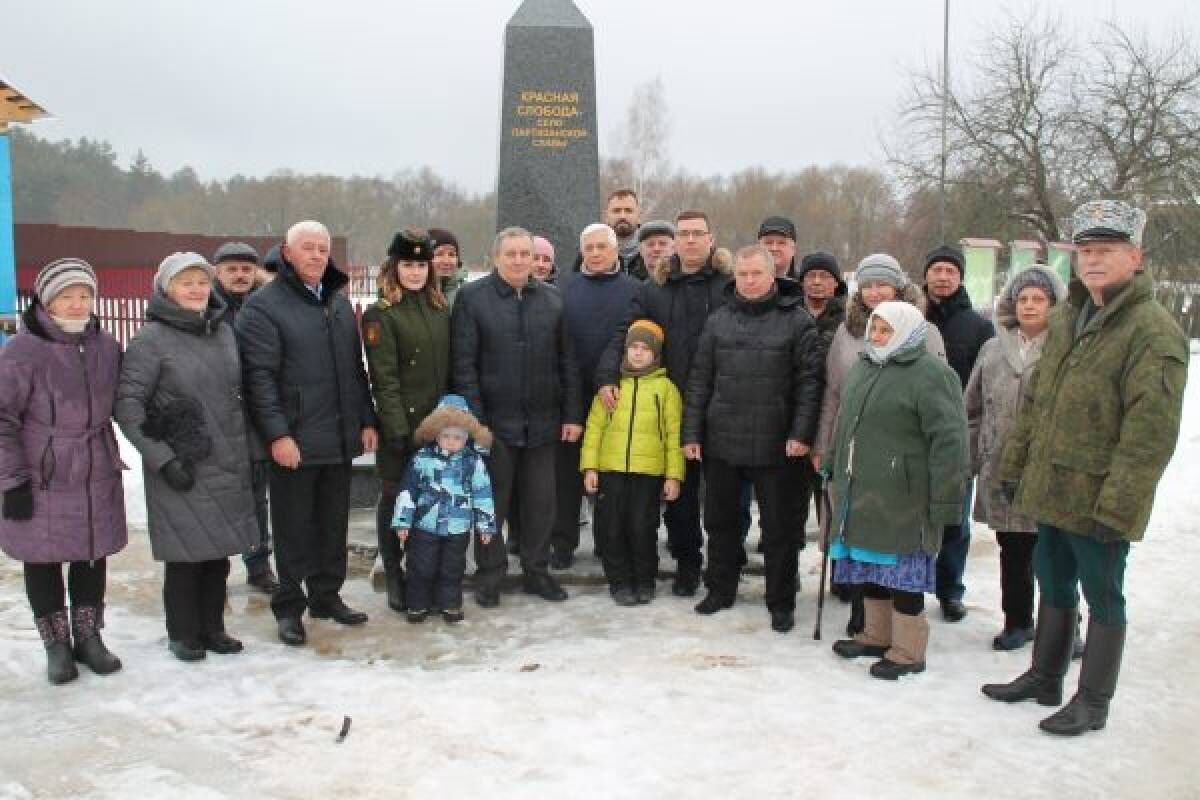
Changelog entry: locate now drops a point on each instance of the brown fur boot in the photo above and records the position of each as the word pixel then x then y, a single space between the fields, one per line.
pixel 876 635
pixel 910 636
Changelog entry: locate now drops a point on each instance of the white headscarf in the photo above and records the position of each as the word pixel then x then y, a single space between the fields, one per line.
pixel 908 325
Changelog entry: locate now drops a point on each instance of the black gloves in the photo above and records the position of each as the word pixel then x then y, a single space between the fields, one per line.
pixel 18 502
pixel 178 475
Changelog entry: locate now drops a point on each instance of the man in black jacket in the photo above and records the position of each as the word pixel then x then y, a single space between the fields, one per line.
pixel 309 399
pixel 237 276
pixel 595 300
pixel 513 361
pixel 678 297
pixel 964 332
pixel 751 408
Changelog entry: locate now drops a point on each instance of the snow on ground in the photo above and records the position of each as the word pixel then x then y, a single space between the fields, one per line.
pixel 585 699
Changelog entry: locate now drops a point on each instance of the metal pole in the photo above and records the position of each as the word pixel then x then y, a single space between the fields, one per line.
pixel 945 117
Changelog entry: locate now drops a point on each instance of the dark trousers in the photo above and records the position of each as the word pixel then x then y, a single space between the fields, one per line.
pixel 527 473
pixel 194 598
pixel 627 528
pixel 804 482
pixel 723 486
pixel 1063 561
pixel 46 592
pixel 952 558
pixel 1016 577
pixel 568 482
pixel 310 512
pixel 685 538
pixel 391 552
pixel 258 560
pixel 436 565
pixel 908 603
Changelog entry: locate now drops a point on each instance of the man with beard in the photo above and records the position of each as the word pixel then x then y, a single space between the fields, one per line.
pixel 623 214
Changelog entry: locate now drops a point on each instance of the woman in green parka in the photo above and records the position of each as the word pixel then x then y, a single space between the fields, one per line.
pixel 898 464
pixel 407 339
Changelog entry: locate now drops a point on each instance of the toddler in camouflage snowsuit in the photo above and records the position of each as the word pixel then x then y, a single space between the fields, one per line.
pixel 446 495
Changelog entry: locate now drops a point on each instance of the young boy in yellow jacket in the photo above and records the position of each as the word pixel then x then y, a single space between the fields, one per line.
pixel 632 458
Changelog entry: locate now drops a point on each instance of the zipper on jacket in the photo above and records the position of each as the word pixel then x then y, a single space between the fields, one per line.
pixel 337 380
pixel 87 482
pixel 632 417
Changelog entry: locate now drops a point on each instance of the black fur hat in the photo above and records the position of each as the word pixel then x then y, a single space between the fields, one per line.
pixel 411 244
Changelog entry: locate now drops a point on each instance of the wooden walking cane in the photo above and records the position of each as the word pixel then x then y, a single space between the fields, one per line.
pixel 825 514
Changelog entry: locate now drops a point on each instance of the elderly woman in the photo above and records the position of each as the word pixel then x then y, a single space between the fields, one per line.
pixel 993 396
pixel 750 411
pixel 898 462
pixel 407 338
pixel 59 465
pixel 179 401
pixel 880 279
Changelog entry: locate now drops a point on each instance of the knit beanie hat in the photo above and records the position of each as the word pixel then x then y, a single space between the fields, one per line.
pixel 441 236
pixel 1038 276
pixel 411 244
pixel 655 227
pixel 235 251
pixel 542 247
pixel 648 333
pixel 58 275
pixel 881 268
pixel 947 253
pixel 176 263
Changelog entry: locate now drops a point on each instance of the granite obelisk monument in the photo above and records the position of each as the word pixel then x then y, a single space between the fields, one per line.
pixel 548 178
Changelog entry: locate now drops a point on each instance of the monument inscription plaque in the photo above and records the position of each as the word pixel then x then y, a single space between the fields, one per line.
pixel 548 178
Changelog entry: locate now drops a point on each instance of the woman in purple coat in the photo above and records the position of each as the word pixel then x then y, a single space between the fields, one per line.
pixel 60 468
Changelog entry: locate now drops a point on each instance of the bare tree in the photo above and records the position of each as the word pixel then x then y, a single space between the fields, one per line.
pixel 644 140
pixel 1040 123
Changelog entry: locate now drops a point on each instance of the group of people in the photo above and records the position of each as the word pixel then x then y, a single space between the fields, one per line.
pixel 660 374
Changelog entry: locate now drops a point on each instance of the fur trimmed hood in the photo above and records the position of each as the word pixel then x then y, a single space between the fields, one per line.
pixel 857 312
pixel 721 262
pixel 448 416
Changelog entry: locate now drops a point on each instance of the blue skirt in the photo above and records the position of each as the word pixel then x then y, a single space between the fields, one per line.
pixel 912 572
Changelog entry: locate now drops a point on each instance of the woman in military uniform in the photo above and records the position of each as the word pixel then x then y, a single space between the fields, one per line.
pixel 407 338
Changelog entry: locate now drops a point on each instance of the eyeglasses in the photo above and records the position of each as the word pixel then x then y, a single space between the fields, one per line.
pixel 691 234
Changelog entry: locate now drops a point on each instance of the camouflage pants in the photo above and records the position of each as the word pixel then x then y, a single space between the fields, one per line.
pixel 1063 561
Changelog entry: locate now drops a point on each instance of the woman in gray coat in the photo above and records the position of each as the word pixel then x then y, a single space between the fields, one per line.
pixel 993 396
pixel 179 401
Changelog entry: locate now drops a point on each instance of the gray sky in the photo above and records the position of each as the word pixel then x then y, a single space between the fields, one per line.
pixel 372 87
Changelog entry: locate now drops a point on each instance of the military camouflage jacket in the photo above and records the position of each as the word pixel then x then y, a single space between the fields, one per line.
pixel 1100 415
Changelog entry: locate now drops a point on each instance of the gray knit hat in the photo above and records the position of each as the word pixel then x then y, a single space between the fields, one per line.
pixel 58 275
pixel 1038 276
pixel 235 251
pixel 880 268
pixel 176 263
pixel 655 227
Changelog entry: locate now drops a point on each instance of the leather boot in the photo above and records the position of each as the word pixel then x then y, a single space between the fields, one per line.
pixel 876 636
pixel 55 631
pixel 906 656
pixel 1088 709
pixel 86 622
pixel 1043 681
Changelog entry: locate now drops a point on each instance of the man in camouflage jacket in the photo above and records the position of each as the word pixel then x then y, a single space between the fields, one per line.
pixel 1097 426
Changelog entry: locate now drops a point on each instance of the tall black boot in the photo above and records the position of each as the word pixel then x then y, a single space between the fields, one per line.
pixel 1043 681
pixel 86 622
pixel 1088 709
pixel 55 631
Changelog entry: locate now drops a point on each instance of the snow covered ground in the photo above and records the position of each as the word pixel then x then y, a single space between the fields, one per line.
pixel 587 700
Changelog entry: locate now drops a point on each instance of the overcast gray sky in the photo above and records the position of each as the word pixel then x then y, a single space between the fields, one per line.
pixel 372 87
